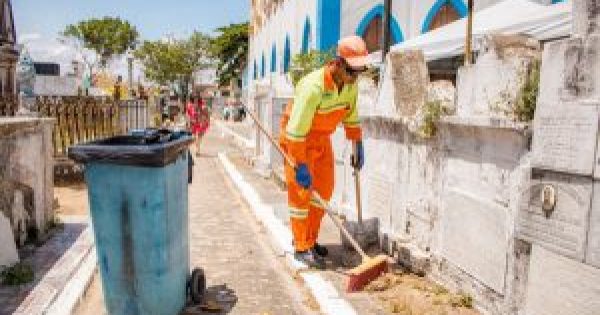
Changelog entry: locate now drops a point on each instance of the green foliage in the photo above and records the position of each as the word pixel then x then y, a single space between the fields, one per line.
pixel 462 300
pixel 176 61
pixel 432 112
pixel 108 36
pixel 305 63
pixel 230 49
pixel 527 99
pixel 17 274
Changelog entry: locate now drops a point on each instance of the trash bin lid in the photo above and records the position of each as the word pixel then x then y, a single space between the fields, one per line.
pixel 157 149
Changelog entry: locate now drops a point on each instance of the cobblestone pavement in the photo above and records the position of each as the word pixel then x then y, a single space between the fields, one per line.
pixel 228 243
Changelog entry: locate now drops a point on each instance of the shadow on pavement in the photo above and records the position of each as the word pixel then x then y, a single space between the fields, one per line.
pixel 219 299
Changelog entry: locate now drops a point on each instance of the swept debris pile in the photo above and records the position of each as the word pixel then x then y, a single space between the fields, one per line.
pixel 409 294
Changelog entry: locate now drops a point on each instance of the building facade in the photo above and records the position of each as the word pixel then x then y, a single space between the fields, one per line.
pixel 282 28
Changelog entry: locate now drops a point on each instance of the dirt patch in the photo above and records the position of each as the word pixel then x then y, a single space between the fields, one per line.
pixel 409 294
pixel 71 200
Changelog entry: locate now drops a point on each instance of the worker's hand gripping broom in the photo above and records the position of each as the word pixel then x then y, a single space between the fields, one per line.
pixel 370 267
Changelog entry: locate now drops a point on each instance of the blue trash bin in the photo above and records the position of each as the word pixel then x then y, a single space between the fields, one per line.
pixel 139 206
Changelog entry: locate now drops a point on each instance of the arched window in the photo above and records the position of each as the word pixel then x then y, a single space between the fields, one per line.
pixel 443 12
pixel 273 58
pixel 373 35
pixel 286 55
pixel 306 36
pixel 262 66
pixel 446 15
pixel 370 28
pixel 255 70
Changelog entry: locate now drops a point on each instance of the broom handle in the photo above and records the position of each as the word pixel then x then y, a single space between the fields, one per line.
pixel 315 194
pixel 356 173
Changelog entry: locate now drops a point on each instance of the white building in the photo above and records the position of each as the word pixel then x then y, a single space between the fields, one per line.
pixel 283 28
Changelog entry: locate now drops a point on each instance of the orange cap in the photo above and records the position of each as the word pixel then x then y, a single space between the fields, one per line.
pixel 354 50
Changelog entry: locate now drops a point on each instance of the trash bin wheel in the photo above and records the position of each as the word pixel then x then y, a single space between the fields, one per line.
pixel 197 285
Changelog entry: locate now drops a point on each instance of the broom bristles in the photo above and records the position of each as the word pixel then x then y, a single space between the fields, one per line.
pixel 366 272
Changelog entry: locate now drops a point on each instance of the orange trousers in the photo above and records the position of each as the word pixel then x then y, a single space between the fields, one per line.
pixel 305 213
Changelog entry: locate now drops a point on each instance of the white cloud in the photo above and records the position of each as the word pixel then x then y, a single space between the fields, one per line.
pixel 24 38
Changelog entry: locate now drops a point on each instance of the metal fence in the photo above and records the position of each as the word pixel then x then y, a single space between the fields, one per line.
pixel 83 119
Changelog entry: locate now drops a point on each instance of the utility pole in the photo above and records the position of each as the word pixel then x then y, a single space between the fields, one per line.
pixel 386 38
pixel 469 37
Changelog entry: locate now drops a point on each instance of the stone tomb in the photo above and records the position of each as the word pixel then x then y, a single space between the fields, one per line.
pixel 409 75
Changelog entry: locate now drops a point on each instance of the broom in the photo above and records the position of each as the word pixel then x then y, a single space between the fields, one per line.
pixel 370 267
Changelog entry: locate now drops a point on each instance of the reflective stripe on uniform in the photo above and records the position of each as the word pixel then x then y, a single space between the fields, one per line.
pixel 298 213
pixel 315 203
pixel 293 137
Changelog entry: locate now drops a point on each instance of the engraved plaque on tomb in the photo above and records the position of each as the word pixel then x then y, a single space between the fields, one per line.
pixel 555 213
pixel 564 138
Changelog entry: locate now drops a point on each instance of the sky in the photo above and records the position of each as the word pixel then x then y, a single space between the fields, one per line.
pixel 38 22
pixel 153 18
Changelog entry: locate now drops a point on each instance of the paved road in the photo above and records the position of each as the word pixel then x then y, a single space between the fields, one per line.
pixel 229 244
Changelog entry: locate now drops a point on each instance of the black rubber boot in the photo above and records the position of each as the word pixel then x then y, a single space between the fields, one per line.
pixel 321 250
pixel 311 259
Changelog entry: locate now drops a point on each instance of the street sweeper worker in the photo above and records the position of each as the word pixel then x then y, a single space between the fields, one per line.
pixel 322 100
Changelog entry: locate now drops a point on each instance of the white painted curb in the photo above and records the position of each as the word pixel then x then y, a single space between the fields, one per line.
pixel 248 143
pixel 75 289
pixel 77 264
pixel 327 296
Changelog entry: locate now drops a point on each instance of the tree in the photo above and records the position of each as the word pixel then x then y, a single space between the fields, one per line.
pixel 305 63
pixel 107 37
pixel 174 62
pixel 230 49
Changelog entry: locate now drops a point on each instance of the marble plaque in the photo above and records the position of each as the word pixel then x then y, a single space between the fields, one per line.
pixel 561 286
pixel 474 237
pixel 592 256
pixel 562 229
pixel 564 138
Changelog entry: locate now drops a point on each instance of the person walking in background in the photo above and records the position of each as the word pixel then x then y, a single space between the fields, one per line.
pixel 198 121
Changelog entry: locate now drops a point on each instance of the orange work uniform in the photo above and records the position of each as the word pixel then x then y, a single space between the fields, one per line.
pixel 307 124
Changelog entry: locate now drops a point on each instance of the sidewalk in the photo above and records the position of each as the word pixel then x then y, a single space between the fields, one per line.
pixel 228 243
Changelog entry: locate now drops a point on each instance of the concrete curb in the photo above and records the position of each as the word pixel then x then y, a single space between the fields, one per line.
pixel 329 299
pixel 54 295
pixel 75 289
pixel 243 141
